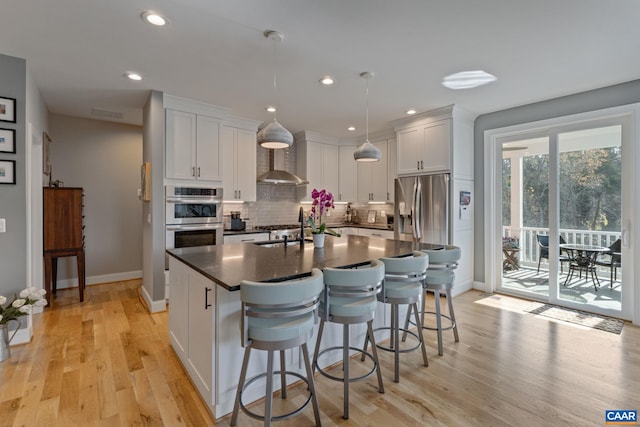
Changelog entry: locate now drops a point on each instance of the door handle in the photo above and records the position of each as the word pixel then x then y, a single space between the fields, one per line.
pixel 206 298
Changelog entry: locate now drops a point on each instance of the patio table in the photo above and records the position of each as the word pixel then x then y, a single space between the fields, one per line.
pixel 583 258
pixel 511 261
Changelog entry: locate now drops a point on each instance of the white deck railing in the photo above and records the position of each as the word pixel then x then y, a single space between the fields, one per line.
pixel 530 250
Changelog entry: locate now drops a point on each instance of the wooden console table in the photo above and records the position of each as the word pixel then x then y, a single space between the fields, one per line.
pixel 63 234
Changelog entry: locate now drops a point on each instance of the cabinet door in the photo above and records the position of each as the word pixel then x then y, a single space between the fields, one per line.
pixel 330 168
pixel 246 169
pixel 347 175
pixel 244 238
pixel 228 156
pixel 364 181
pixel 208 148
pixel 392 166
pixel 409 145
pixel 179 307
pixel 437 145
pixel 180 144
pixel 379 174
pixel 315 157
pixel 201 338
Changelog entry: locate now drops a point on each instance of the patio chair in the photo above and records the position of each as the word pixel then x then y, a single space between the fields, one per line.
pixel 543 243
pixel 612 259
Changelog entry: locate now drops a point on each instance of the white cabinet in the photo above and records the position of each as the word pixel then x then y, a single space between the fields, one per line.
pixel 347 174
pixel 192 146
pixel 424 148
pixel 192 324
pixel 238 164
pixel 318 164
pixel 373 177
pixel 245 238
pixel 370 232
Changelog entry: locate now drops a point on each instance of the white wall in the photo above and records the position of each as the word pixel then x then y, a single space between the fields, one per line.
pixel 103 158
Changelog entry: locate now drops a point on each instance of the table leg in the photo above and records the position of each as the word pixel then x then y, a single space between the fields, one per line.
pixel 81 275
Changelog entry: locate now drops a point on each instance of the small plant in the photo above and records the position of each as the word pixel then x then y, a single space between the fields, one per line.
pixel 322 201
pixel 21 304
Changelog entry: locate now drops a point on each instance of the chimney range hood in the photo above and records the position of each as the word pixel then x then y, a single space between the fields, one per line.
pixel 279 176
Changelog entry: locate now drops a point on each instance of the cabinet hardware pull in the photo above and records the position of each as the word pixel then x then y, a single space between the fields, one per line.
pixel 239 194
pixel 206 298
pixel 198 171
pixel 421 164
pixel 418 164
pixel 376 234
pixel 387 196
pixel 193 171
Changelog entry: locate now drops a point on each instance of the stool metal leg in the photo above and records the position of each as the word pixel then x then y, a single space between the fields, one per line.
pixel 374 351
pixel 243 375
pixel 453 316
pixel 312 387
pixel 283 376
pixel 269 391
pixel 436 294
pixel 396 342
pixel 317 350
pixel 420 337
pixel 345 369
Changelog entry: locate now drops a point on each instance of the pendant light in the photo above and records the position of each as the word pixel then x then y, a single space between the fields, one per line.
pixel 367 152
pixel 274 135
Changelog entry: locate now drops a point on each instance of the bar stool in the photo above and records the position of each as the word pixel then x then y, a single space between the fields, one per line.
pixel 403 285
pixel 277 316
pixel 349 298
pixel 440 277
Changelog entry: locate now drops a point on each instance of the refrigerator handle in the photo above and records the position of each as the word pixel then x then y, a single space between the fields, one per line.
pixel 417 210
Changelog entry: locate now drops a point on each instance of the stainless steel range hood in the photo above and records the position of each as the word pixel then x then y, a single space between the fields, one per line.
pixel 279 176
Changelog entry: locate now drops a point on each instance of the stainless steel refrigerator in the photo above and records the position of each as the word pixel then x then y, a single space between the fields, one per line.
pixel 422 206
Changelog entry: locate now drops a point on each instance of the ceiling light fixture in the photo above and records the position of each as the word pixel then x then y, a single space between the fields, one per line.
pixel 468 79
pixel 132 75
pixel 327 80
pixel 351 128
pixel 274 135
pixel 411 112
pixel 271 109
pixel 154 18
pixel 367 152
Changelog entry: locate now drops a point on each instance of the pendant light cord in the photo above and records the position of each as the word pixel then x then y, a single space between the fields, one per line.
pixel 367 115
pixel 275 66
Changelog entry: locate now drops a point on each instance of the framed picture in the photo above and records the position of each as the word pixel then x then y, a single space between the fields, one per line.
pixel 46 154
pixel 7 171
pixel 7 141
pixel 7 110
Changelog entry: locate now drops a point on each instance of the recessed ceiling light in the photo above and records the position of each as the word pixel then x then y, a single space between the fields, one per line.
pixel 131 75
pixel 468 79
pixel 154 18
pixel 351 128
pixel 271 109
pixel 327 80
pixel 411 112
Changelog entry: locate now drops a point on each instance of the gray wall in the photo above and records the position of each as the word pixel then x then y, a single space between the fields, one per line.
pixel 104 158
pixel 611 96
pixel 13 246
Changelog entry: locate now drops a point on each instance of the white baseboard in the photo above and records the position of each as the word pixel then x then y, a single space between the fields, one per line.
pixel 480 286
pixel 24 335
pixel 153 306
pixel 104 278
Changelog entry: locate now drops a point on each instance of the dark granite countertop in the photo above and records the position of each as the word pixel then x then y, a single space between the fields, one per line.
pixel 338 225
pixel 229 264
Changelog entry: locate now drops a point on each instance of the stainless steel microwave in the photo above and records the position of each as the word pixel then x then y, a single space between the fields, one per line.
pixel 193 205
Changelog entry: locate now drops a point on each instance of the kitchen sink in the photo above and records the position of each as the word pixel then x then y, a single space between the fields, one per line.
pixel 281 243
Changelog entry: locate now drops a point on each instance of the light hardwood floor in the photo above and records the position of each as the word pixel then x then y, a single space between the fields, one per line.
pixel 107 362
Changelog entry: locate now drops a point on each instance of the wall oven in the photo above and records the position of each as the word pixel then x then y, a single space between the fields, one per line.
pixel 193 217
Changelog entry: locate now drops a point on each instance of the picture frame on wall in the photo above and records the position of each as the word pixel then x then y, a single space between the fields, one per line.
pixel 7 172
pixel 7 109
pixel 8 141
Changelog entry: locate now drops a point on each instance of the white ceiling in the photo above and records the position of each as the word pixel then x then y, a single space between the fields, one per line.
pixel 214 51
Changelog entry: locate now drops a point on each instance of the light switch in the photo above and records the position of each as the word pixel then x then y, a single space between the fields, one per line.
pixel 3 225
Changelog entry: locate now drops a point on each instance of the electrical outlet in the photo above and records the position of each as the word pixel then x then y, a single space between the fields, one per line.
pixel 3 225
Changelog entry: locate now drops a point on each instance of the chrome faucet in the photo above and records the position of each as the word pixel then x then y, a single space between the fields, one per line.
pixel 301 220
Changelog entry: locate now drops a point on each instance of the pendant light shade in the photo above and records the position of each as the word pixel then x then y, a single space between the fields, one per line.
pixel 367 152
pixel 274 135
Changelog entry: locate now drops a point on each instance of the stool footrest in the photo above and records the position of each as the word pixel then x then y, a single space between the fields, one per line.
pixel 354 379
pixel 275 417
pixel 444 328
pixel 404 350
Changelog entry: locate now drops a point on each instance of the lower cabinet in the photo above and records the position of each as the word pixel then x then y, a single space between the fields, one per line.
pixel 248 237
pixel 191 325
pixel 385 234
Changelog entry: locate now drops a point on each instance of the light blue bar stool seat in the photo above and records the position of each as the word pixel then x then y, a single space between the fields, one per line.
pixel 403 285
pixel 349 298
pixel 439 279
pixel 277 316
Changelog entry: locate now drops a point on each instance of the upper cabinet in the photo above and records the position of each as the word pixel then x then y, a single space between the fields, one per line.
pixel 347 174
pixel 193 144
pixel 317 163
pixel 373 177
pixel 239 164
pixel 438 141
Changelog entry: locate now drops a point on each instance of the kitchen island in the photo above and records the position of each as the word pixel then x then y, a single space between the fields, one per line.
pixel 205 309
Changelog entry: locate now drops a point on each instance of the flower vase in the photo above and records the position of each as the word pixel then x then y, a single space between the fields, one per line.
pixel 5 350
pixel 318 240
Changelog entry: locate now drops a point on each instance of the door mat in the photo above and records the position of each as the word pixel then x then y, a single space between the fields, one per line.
pixel 590 320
